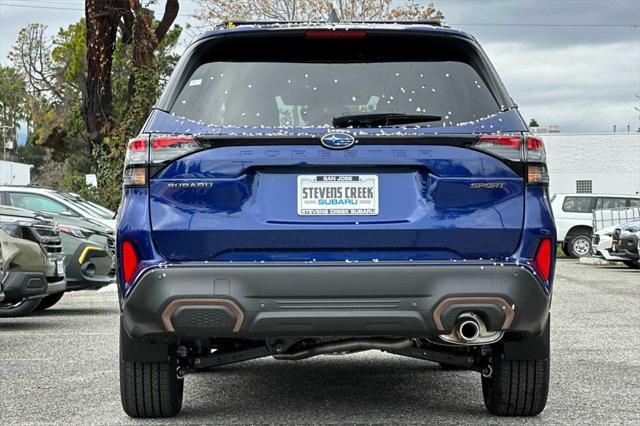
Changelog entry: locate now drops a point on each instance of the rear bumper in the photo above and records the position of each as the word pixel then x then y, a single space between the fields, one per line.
pixel 20 285
pixel 330 299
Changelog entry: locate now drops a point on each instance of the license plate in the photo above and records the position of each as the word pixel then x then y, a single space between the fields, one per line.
pixel 58 267
pixel 337 195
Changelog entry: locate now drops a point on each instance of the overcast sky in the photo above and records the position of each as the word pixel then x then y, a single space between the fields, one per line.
pixel 575 63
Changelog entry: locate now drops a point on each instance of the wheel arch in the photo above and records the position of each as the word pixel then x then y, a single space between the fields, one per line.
pixel 577 229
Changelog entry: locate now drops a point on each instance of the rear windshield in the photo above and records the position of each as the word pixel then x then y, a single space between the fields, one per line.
pixel 310 91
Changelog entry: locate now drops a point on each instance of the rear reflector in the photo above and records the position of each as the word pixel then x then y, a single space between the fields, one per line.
pixel 543 259
pixel 129 261
pixel 335 34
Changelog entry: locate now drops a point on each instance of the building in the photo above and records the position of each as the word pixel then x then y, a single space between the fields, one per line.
pixel 607 163
pixel 551 128
pixel 14 173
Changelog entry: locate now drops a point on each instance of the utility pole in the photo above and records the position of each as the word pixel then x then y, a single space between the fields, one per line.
pixel 4 141
pixel 638 109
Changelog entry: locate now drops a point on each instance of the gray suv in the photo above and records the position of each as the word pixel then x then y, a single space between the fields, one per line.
pixel 31 260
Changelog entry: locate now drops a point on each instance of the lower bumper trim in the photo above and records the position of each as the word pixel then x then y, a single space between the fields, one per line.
pixel 210 316
pixel 330 300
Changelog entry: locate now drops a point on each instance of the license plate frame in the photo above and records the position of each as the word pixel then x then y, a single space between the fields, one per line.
pixel 338 195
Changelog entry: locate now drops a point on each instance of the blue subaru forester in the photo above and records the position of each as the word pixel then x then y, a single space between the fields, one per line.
pixel 312 188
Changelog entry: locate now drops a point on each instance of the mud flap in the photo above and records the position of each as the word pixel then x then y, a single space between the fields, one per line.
pixel 535 348
pixel 134 350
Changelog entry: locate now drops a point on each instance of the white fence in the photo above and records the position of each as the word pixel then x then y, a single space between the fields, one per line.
pixel 614 217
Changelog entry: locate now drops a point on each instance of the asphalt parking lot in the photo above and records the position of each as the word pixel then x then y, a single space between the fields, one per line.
pixel 61 366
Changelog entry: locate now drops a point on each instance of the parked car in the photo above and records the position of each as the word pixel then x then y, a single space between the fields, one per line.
pixel 31 261
pixel 56 203
pixel 573 214
pixel 306 188
pixel 88 241
pixel 602 247
pixel 626 243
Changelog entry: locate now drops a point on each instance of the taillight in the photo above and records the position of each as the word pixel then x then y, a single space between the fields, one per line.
pixel 335 34
pixel 153 149
pixel 505 146
pixel 543 259
pixel 536 157
pixel 518 148
pixel 169 147
pixel 129 261
pixel 135 162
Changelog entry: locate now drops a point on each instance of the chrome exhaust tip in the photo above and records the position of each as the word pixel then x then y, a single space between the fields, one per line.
pixel 468 330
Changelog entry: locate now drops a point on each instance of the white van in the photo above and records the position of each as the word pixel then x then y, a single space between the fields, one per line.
pixel 573 214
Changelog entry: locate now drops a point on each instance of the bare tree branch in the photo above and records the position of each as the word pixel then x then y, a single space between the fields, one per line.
pixel 171 10
pixel 212 11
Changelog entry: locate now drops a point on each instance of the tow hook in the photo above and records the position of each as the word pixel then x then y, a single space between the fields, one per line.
pixel 183 371
pixel 487 371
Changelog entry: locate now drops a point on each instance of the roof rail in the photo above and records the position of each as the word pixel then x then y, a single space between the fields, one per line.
pixel 231 23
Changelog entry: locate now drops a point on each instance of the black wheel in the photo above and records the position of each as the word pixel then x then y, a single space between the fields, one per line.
pixel 49 301
pixel 18 309
pixel 150 389
pixel 579 245
pixel 517 388
pixel 631 264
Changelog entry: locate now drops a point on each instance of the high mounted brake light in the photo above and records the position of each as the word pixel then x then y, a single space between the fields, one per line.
pixel 519 148
pixel 335 34
pixel 153 149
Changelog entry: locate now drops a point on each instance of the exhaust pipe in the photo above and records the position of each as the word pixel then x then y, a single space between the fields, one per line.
pixel 347 346
pixel 468 330
pixel 471 330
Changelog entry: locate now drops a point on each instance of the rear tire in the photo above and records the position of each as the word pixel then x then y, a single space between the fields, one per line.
pixel 18 309
pixel 150 389
pixel 49 301
pixel 579 245
pixel 517 388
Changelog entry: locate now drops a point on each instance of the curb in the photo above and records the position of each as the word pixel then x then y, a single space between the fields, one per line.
pixel 596 261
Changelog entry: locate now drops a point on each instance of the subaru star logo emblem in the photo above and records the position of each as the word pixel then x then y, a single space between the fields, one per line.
pixel 337 141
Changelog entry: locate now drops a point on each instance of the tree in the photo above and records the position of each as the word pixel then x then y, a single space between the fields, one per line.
pixel 53 69
pixel 104 18
pixel 12 95
pixel 533 123
pixel 303 10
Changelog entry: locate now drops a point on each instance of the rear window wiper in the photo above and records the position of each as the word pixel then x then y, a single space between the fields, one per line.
pixel 382 119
